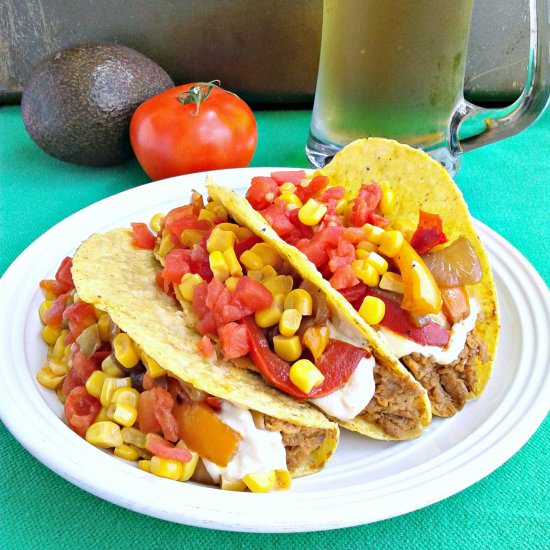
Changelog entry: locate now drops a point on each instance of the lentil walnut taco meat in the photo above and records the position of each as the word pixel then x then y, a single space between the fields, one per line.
pixel 387 228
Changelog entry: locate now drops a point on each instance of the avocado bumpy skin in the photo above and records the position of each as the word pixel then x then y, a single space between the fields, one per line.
pixel 78 102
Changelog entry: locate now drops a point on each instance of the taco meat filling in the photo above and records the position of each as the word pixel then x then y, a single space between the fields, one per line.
pixel 409 284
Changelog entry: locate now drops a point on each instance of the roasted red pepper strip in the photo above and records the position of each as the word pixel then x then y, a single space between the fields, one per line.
pixel 429 232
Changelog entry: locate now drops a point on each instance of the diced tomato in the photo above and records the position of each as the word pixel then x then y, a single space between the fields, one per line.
pixel 197 202
pixel 233 340
pixel 199 261
pixel 215 290
pixel 160 447
pixel 54 286
pixel 206 347
pixel 262 192
pixel 312 189
pixel 64 274
pixel 366 202
pixel 252 294
pixel 71 381
pixel 199 300
pixel 83 365
pixel 429 232
pixel 214 402
pixel 355 293
pixel 81 410
pixel 354 235
pixel 376 219
pixel 146 419
pixel 142 236
pixel 342 255
pixel 332 193
pixel 54 315
pixel 176 265
pixel 204 432
pixel 207 324
pixel 162 407
pixel 317 248
pixel 301 230
pixel 276 216
pixel 245 244
pixel 166 286
pixel 343 277
pixel 291 176
pixel 80 316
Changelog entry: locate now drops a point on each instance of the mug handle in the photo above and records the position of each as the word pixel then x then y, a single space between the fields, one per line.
pixel 489 125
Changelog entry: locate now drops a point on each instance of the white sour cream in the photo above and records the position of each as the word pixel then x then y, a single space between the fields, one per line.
pixel 348 401
pixel 402 346
pixel 258 451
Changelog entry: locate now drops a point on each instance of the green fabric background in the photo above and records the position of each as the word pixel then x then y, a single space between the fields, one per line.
pixel 506 186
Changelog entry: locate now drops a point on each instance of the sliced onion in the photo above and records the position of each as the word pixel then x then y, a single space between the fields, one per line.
pixel 455 265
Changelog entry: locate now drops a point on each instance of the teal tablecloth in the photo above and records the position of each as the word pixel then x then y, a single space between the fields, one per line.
pixel 506 186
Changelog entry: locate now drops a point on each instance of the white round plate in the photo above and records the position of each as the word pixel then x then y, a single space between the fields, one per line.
pixel 366 481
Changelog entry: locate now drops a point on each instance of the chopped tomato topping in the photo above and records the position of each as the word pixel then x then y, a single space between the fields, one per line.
pixel 64 274
pixel 277 217
pixel 316 249
pixel 199 299
pixel 293 176
pixel 54 315
pixel 343 277
pixel 206 347
pixel 54 286
pixel 83 365
pixel 333 193
pixel 146 419
pixel 262 192
pixel 80 316
pixel 199 261
pixel 342 255
pixel 252 294
pixel 365 203
pixel 71 381
pixel 312 189
pixel 160 447
pixel 142 236
pixel 245 244
pixel 81 410
pixel 162 408
pixel 233 340
pixel 429 232
pixel 176 265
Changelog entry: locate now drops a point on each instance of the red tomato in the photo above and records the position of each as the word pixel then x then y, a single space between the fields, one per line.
pixel 252 294
pixel 333 193
pixel 83 365
pixel 429 232
pixel 317 248
pixel 277 217
pixel 146 419
pixel 245 244
pixel 233 340
pixel 55 286
pixel 64 274
pixel 163 413
pixel 312 189
pixel 291 176
pixel 176 265
pixel 343 277
pixel 80 316
pixel 81 410
pixel 200 262
pixel 142 236
pixel 70 382
pixel 192 128
pixel 365 203
pixel 262 192
pixel 206 347
pixel 160 447
pixel 54 315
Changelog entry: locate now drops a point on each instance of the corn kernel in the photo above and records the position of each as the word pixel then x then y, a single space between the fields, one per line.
pixel 232 262
pixel 305 375
pixel 372 310
pixel 187 285
pixel 165 467
pixel 110 385
pixel 391 243
pixel 48 379
pixel 133 436
pixel 388 199
pixel 165 245
pixel 231 283
pixel 300 300
pixel 104 326
pixel 58 349
pixel 316 340
pixel 190 237
pixel 126 452
pixel 367 246
pixel 240 232
pixel 156 221
pixel 288 348
pixel 220 240
pixel 153 368
pixel 290 322
pixel 287 187
pixel 102 415
pixel 218 209
pixel 95 383
pixel 268 272
pixel 392 282
pixel 50 334
pixel 58 368
pixel 111 368
pixel 122 414
pixel 291 199
pixel 144 465
pixel 361 254
pixel 238 485
pixel 125 351
pixel 379 263
pixel 44 306
pixel 365 272
pixel 260 482
pixel 104 434
pixel 49 295
pixel 218 265
pixel 207 215
pixel 280 284
pixel 267 254
pixel 312 212
pixel 341 206
pixel 125 396
pixel 271 315
pixel 284 481
pixel 373 233
pixel 251 260
pixel 188 468
pixel 256 274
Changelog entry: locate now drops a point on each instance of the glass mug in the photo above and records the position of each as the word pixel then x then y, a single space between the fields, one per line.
pixel 395 68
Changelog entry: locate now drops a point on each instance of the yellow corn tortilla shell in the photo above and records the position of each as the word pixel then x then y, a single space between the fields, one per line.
pixel 421 183
pixel 118 278
pixel 350 321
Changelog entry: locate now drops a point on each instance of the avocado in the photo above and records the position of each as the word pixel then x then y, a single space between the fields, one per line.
pixel 78 102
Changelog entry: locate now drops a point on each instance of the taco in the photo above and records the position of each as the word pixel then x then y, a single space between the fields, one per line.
pixel 389 229
pixel 134 380
pixel 261 306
